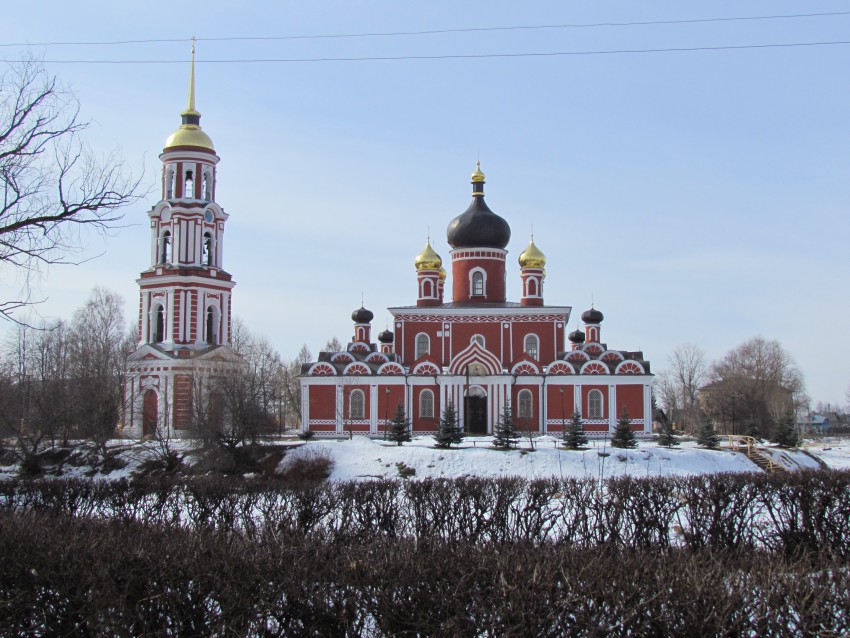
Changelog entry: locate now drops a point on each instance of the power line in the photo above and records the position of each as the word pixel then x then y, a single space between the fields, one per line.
pixel 585 25
pixel 461 56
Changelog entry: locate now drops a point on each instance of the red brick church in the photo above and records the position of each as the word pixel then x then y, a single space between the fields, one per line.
pixel 477 350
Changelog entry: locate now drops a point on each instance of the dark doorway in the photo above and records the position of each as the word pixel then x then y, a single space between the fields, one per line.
pixel 149 413
pixel 475 409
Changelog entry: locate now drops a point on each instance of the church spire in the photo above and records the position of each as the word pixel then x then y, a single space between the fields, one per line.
pixel 190 133
pixel 190 109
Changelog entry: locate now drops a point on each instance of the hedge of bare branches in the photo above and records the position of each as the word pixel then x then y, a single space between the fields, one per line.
pixel 65 575
pixel 807 512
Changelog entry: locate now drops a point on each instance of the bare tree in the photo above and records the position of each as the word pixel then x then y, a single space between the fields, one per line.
pixel 678 385
pixel 51 184
pixel 757 382
pixel 290 372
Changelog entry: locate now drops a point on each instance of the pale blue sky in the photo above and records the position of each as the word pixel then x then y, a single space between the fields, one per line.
pixel 695 196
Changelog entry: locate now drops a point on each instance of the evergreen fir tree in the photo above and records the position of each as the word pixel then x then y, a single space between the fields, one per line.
pixel 505 436
pixel 753 431
pixel 708 437
pixel 574 436
pixel 399 427
pixel 667 438
pixel 449 432
pixel 785 433
pixel 623 435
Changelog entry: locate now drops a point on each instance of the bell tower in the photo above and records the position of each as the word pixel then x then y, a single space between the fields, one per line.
pixel 185 293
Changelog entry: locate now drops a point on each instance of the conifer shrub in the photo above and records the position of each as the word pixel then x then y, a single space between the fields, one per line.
pixel 399 427
pixel 574 436
pixel 707 436
pixel 449 432
pixel 624 437
pixel 505 436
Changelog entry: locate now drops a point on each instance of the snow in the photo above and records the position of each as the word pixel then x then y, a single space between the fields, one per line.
pixel 362 458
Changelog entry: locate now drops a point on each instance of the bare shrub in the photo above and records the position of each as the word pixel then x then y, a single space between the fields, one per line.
pixel 307 464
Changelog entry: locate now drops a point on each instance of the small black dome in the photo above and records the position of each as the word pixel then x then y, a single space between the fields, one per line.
pixel 361 315
pixel 592 316
pixel 386 336
pixel 478 226
pixel 576 336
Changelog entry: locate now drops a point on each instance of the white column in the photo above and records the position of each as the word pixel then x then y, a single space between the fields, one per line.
pixel 199 336
pixel 647 408
pixel 577 400
pixel 144 335
pixel 373 409
pixel 305 407
pixel 219 248
pixel 612 407
pixel 169 319
pixel 340 415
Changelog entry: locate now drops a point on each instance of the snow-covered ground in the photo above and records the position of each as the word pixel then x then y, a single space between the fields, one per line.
pixel 362 458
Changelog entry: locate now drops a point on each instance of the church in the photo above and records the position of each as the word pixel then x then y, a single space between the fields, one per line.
pixel 477 350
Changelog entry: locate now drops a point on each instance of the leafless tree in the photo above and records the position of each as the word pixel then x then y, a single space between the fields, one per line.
pixel 290 372
pixel 758 382
pixel 678 385
pixel 51 184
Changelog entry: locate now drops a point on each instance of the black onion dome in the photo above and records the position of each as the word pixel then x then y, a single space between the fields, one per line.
pixel 576 336
pixel 361 315
pixel 386 336
pixel 592 316
pixel 478 226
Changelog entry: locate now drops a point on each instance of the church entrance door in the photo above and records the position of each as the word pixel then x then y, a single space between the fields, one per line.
pixel 149 413
pixel 475 410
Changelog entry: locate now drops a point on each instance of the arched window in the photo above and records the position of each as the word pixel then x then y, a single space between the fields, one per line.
pixel 524 400
pixel 189 185
pixel 212 327
pixel 479 339
pixel 532 346
pixel 423 345
pixel 207 185
pixel 478 283
pixel 169 183
pixel 356 404
pixel 426 404
pixel 207 250
pixel 427 289
pixel 594 404
pixel 532 287
pixel 159 328
pixel 165 248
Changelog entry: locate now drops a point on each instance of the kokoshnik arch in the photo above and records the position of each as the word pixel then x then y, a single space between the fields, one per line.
pixel 478 351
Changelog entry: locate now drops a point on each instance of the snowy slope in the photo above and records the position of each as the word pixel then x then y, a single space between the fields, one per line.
pixel 363 458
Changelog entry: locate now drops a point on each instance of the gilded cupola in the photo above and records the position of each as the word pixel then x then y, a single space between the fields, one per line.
pixel 532 257
pixel 428 259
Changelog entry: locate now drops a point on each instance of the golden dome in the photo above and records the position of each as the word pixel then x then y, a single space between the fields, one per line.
pixel 532 257
pixel 442 274
pixel 428 259
pixel 478 176
pixel 189 135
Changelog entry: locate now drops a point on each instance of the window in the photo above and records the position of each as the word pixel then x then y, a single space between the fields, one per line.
pixel 427 289
pixel 478 283
pixel 165 250
pixel 159 329
pixel 479 339
pixel 207 250
pixel 423 345
pixel 189 185
pixel 524 400
pixel 211 327
pixel 532 287
pixel 532 346
pixel 169 183
pixel 207 186
pixel 594 401
pixel 355 406
pixel 426 404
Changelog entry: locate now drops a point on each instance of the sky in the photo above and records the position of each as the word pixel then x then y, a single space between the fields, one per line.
pixel 692 196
